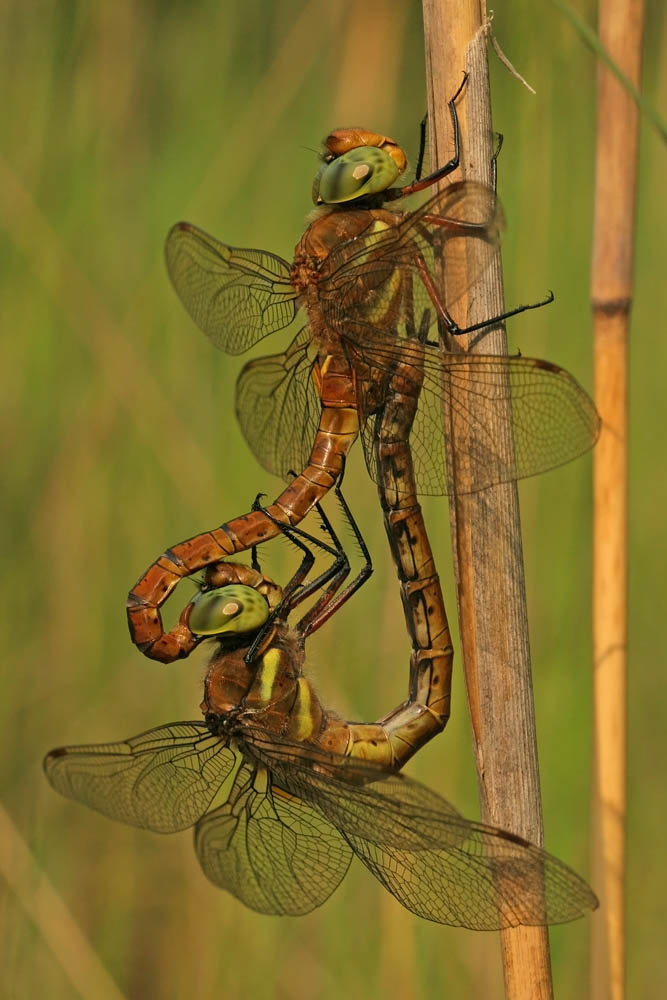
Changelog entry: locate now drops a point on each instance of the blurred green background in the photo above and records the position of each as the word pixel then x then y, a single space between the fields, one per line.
pixel 118 439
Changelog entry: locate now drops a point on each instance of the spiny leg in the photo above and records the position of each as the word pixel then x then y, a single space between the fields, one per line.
pixel 297 590
pixel 420 183
pixel 472 230
pixel 422 147
pixel 329 603
pixel 452 328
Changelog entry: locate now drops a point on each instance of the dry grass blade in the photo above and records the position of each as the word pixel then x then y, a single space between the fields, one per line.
pixel 606 56
pixel 69 946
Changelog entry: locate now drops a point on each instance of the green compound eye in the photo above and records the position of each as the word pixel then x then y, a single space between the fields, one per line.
pixel 235 608
pixel 359 172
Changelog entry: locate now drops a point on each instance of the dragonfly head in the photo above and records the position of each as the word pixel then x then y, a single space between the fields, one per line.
pixel 357 163
pixel 235 608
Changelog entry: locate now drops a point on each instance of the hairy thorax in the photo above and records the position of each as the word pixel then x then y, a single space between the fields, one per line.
pixel 327 245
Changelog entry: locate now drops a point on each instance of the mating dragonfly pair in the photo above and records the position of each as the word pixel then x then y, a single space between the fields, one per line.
pixel 281 792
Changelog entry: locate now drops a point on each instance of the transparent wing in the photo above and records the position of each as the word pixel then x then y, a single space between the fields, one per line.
pixel 274 852
pixel 235 296
pixel 378 279
pixel 163 780
pixel 489 880
pixel 278 407
pixel 436 863
pixel 513 417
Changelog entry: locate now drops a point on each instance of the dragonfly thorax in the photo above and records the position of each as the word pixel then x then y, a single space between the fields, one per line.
pixel 330 244
pixel 330 230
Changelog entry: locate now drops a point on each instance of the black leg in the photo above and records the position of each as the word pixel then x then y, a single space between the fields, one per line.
pixel 456 331
pixel 328 604
pixel 338 570
pixel 422 147
pixel 296 590
pixel 494 162
pixel 418 185
pixel 254 561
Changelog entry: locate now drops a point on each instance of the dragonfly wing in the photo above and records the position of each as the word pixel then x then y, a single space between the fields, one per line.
pixel 512 417
pixel 162 780
pixel 278 407
pixel 490 880
pixel 274 852
pixel 436 863
pixel 378 278
pixel 390 804
pixel 441 866
pixel 235 296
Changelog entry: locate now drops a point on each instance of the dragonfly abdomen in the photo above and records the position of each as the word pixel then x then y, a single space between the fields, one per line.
pixel 426 711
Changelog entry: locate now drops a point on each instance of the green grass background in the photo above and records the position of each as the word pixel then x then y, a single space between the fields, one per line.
pixel 118 438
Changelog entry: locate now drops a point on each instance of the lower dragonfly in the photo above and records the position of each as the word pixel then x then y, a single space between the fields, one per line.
pixel 282 792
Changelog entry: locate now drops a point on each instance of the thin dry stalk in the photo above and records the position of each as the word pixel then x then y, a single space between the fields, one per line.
pixel 43 905
pixel 620 29
pixel 486 527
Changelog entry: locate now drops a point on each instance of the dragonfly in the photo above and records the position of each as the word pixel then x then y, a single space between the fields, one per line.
pixel 282 792
pixel 364 364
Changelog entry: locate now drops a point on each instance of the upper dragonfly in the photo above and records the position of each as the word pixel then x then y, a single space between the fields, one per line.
pixel 366 278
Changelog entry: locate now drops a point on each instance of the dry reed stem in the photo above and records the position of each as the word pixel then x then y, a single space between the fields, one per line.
pixel 620 29
pixel 486 527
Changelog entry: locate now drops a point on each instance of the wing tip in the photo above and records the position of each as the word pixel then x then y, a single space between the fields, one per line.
pixel 51 759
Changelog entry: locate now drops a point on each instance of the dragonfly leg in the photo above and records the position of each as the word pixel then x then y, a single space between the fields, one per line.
pixel 452 328
pixel 334 576
pixel 422 147
pixel 420 183
pixel 254 560
pixel 297 590
pixel 428 283
pixel 331 600
pixel 306 563
pixel 494 161
pixel 337 431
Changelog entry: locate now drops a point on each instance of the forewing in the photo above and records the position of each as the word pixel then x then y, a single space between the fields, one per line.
pixel 235 296
pixel 162 780
pixel 378 278
pixel 273 851
pixel 278 407
pixel 513 417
